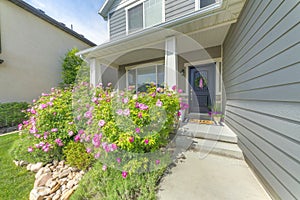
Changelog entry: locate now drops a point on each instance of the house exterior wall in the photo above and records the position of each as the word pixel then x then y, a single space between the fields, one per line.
pixel 261 77
pixel 178 8
pixel 32 50
pixel 117 24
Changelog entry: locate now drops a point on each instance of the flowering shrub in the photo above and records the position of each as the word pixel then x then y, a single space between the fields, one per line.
pixel 50 125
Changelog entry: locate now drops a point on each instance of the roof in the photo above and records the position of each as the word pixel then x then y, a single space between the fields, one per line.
pixel 41 14
pixel 105 8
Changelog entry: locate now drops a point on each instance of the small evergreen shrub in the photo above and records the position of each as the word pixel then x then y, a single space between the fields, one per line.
pixel 76 155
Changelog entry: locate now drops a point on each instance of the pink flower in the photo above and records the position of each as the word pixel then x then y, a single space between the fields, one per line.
pixel 34 100
pixel 26 122
pixel 104 167
pixel 157 162
pixel 96 141
pixel 143 106
pixel 89 122
pixel 32 111
pixel 159 103
pixel 119 112
pixel 44 94
pixel 124 174
pixel 180 90
pixel 70 133
pixel 178 113
pixel 201 83
pixel 114 147
pixel 131 139
pixel 101 123
pixel 50 103
pixel 20 127
pixel 81 131
pixel 54 130
pixel 43 106
pixel 137 130
pixel 119 160
pixel 33 130
pixel 126 112
pixel 59 142
pixel 174 87
pixel 78 117
pixel 30 149
pixel 125 100
pixel 88 114
pixel 109 84
pixel 159 89
pixel 88 150
pixel 70 123
pixel 146 141
pixel 97 155
pixel 77 138
pixel 140 115
pixel 153 94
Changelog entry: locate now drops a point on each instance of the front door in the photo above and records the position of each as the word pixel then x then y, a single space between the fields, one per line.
pixel 201 80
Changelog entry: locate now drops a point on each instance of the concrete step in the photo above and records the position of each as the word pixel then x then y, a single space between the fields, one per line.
pixel 204 116
pixel 209 132
pixel 218 148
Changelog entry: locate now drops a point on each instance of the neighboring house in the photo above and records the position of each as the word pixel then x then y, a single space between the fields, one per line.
pixel 32 47
pixel 245 52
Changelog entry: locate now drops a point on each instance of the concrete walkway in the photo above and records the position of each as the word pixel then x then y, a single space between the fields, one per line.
pixel 211 178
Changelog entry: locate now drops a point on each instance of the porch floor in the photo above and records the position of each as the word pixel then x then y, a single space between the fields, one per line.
pixel 211 178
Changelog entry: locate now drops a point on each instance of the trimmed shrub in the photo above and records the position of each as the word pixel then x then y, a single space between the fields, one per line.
pixel 77 156
pixel 11 113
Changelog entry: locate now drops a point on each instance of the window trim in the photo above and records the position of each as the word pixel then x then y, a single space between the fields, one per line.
pixel 197 5
pixel 144 27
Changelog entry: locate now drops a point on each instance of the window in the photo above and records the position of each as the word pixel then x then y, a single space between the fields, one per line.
pixel 141 76
pixel 135 18
pixel 144 15
pixel 204 3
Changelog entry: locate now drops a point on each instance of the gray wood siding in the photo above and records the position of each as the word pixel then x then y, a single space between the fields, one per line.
pixel 117 24
pixel 178 8
pixel 261 77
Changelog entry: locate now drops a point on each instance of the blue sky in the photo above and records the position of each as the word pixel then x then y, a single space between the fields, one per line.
pixel 83 14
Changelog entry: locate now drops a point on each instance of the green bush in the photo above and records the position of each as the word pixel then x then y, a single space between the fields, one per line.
pixel 50 126
pixel 110 185
pixel 11 113
pixel 76 155
pixel 70 67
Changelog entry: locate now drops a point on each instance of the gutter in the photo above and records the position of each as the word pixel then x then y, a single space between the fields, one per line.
pixel 217 8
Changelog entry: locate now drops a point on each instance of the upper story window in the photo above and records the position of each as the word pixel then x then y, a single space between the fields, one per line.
pixel 203 3
pixel 144 14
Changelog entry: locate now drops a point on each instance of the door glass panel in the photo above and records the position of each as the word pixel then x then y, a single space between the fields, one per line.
pixel 160 75
pixel 132 78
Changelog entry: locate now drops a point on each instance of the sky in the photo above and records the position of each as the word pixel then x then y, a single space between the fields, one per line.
pixel 82 14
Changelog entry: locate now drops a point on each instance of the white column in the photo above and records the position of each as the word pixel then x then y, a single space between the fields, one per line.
pixel 171 64
pixel 95 72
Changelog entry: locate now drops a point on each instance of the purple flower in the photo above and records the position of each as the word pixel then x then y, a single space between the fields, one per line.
pixel 43 106
pixel 88 115
pixel 131 139
pixel 140 115
pixel 174 87
pixel 96 141
pixel 88 150
pixel 26 122
pixel 30 149
pixel 97 155
pixel 20 127
pixel 124 174
pixel 54 130
pixel 89 122
pixel 143 106
pixel 137 130
pixel 59 142
pixel 50 103
pixel 34 100
pixel 109 84
pixel 78 117
pixel 201 83
pixel 70 123
pixel 45 95
pixel 114 146
pixel 119 112
pixel 146 141
pixel 159 89
pixel 70 133
pixel 77 138
pixel 159 103
pixel 180 90
pixel 119 160
pixel 153 94
pixel 32 111
pixel 125 100
pixel 33 130
pixel 101 123
pixel 126 112
pixel 104 167
pixel 81 131
pixel 157 162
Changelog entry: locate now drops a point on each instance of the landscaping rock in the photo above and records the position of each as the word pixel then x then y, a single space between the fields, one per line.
pixel 36 167
pixel 39 193
pixel 28 167
pixel 42 180
pixel 56 197
pixel 67 194
pixel 39 173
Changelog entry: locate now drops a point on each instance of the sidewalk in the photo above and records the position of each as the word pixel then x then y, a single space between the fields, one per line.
pixel 211 178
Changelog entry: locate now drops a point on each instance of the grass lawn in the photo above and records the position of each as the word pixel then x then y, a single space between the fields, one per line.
pixel 15 182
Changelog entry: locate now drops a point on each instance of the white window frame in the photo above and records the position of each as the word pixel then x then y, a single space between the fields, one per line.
pixel 144 27
pixel 212 6
pixel 161 62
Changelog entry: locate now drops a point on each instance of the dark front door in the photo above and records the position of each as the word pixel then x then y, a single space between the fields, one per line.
pixel 201 88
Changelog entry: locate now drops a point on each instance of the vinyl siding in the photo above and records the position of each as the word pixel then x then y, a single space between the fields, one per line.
pixel 178 8
pixel 261 78
pixel 117 24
